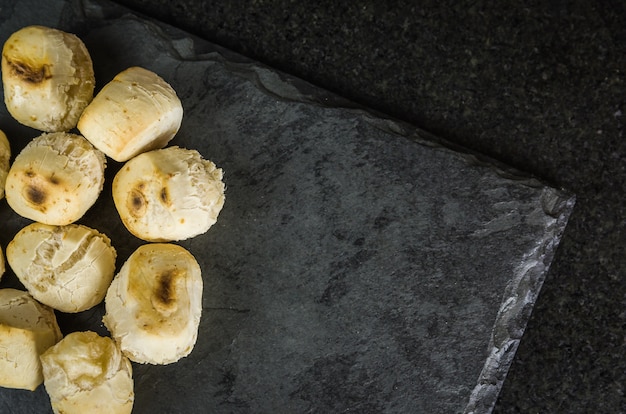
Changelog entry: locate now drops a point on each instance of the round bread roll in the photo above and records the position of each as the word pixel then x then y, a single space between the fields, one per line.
pixel 5 157
pixel 56 178
pixel 66 267
pixel 136 112
pixel 27 329
pixel 154 304
pixel 168 194
pixel 48 78
pixel 87 373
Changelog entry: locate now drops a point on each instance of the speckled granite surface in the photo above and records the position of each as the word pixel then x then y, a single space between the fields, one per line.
pixel 538 85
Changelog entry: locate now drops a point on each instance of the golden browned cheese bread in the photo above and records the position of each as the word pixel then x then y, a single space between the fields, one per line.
pixel 27 329
pixel 5 157
pixel 68 268
pixel 87 373
pixel 136 112
pixel 55 179
pixel 168 194
pixel 154 304
pixel 48 78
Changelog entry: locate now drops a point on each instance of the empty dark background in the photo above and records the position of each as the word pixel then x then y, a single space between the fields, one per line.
pixel 540 86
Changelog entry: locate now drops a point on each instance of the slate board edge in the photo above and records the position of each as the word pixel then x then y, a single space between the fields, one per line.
pixel 513 316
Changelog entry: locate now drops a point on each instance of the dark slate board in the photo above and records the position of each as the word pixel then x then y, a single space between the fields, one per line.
pixel 359 264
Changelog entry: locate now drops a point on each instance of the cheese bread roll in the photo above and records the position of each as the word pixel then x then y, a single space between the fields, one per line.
pixel 68 268
pixel 48 78
pixel 87 373
pixel 55 179
pixel 5 157
pixel 168 194
pixel 136 112
pixel 154 304
pixel 27 329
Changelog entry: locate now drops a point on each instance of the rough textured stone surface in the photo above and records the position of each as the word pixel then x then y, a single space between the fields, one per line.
pixel 359 263
pixel 538 85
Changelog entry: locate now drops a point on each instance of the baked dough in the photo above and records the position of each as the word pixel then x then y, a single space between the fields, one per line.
pixel 27 329
pixel 48 78
pixel 154 304
pixel 66 267
pixel 136 112
pixel 87 373
pixel 168 194
pixel 56 178
pixel 5 157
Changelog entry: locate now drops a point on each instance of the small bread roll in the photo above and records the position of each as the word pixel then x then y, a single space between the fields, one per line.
pixel 168 194
pixel 66 267
pixel 5 157
pixel 55 179
pixel 136 112
pixel 87 373
pixel 154 304
pixel 27 329
pixel 48 78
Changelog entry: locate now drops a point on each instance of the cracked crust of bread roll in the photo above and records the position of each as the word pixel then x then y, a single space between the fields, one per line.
pixel 168 194
pixel 87 373
pixel 27 329
pixel 68 268
pixel 137 111
pixel 5 157
pixel 154 304
pixel 48 78
pixel 55 179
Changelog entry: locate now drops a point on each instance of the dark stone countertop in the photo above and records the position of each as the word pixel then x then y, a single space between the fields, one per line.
pixel 540 86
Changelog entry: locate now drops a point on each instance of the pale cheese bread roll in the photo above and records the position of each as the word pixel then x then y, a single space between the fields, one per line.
pixel 55 179
pixel 5 157
pixel 136 112
pixel 66 267
pixel 154 304
pixel 168 194
pixel 87 373
pixel 27 329
pixel 48 78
